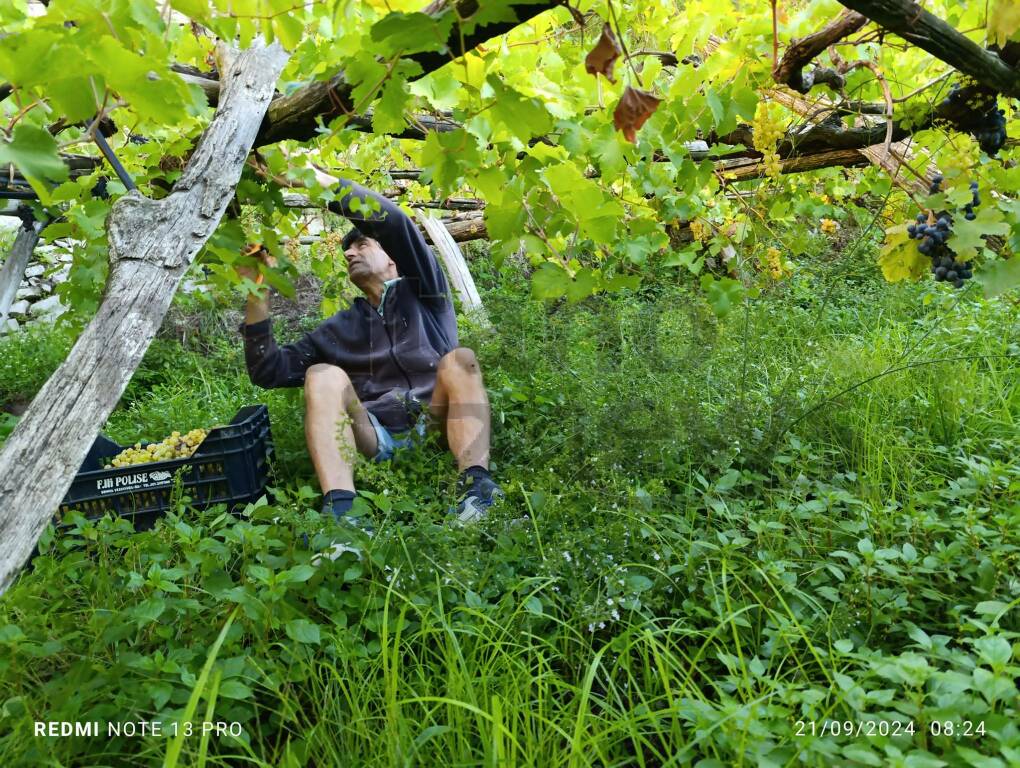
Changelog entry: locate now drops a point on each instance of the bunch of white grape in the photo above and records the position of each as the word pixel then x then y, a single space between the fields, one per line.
pixel 778 267
pixel 767 130
pixel 177 446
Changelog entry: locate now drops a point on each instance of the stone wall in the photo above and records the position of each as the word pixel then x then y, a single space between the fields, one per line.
pixel 36 299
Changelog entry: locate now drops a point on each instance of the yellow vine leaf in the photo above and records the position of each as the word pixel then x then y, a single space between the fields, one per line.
pixel 900 259
pixel 1004 21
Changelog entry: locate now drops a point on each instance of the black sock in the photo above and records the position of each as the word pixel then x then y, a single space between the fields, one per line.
pixel 339 501
pixel 474 474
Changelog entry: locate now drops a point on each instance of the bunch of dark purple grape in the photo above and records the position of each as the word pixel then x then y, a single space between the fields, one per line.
pixel 26 215
pixel 988 126
pixel 992 135
pixel 934 237
pixel 968 209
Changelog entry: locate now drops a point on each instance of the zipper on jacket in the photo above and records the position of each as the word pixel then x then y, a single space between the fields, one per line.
pixel 393 354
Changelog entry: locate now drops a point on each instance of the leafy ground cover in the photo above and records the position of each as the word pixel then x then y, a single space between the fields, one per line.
pixel 722 536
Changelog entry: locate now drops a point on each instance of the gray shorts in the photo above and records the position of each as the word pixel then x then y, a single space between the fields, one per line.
pixel 389 442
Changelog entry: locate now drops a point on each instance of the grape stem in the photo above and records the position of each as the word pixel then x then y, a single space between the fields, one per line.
pixel 775 37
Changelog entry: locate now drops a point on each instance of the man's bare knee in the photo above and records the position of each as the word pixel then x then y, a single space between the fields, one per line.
pixel 326 381
pixel 459 360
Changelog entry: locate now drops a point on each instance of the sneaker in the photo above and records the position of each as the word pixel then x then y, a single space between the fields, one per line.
pixel 332 552
pixel 358 527
pixel 481 493
pixel 358 532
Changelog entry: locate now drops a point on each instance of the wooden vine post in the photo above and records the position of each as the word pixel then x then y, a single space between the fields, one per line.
pixel 152 244
pixel 456 268
pixel 13 270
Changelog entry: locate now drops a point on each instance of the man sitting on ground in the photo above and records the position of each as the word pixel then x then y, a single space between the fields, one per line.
pixel 368 371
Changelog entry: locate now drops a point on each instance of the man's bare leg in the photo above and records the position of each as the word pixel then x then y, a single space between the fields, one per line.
pixel 336 423
pixel 460 406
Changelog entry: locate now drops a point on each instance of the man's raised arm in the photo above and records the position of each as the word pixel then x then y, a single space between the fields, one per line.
pixel 270 365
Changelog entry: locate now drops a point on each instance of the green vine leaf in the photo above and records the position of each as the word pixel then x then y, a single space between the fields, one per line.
pixel 33 151
pixel 900 259
pixel 405 33
pixel 723 294
pixel 968 236
pixel 999 276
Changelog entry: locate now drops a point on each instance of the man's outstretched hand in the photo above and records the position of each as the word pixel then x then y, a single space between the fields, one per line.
pixel 259 253
pixel 258 306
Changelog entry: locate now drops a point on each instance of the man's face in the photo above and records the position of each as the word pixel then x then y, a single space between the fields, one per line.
pixel 368 262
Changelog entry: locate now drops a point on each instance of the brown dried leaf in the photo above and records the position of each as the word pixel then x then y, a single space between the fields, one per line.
pixel 635 107
pixel 605 53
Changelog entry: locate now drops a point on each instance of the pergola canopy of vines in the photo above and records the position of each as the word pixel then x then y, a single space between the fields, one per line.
pixel 572 126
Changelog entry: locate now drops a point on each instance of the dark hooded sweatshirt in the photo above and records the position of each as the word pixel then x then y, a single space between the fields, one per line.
pixel 390 359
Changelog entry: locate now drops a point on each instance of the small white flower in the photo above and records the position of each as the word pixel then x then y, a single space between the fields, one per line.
pixel 566 556
pixel 591 627
pixel 655 555
pixel 602 625
pixel 616 614
pixel 609 601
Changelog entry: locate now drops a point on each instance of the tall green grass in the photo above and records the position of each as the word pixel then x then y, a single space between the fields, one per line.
pixel 735 529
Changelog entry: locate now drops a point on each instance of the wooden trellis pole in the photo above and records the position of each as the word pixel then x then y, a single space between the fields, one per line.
pixel 456 267
pixel 13 270
pixel 152 244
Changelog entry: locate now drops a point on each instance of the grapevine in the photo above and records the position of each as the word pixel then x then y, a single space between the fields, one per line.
pixel 176 446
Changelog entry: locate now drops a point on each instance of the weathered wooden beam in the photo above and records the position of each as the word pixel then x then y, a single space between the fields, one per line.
pixel 152 244
pixel 930 33
pixel 297 115
pixel 821 137
pixel 891 157
pixel 295 200
pixel 210 87
pixel 418 128
pixel 743 169
pixel 464 228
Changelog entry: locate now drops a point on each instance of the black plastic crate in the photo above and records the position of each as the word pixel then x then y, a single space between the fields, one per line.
pixel 230 466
